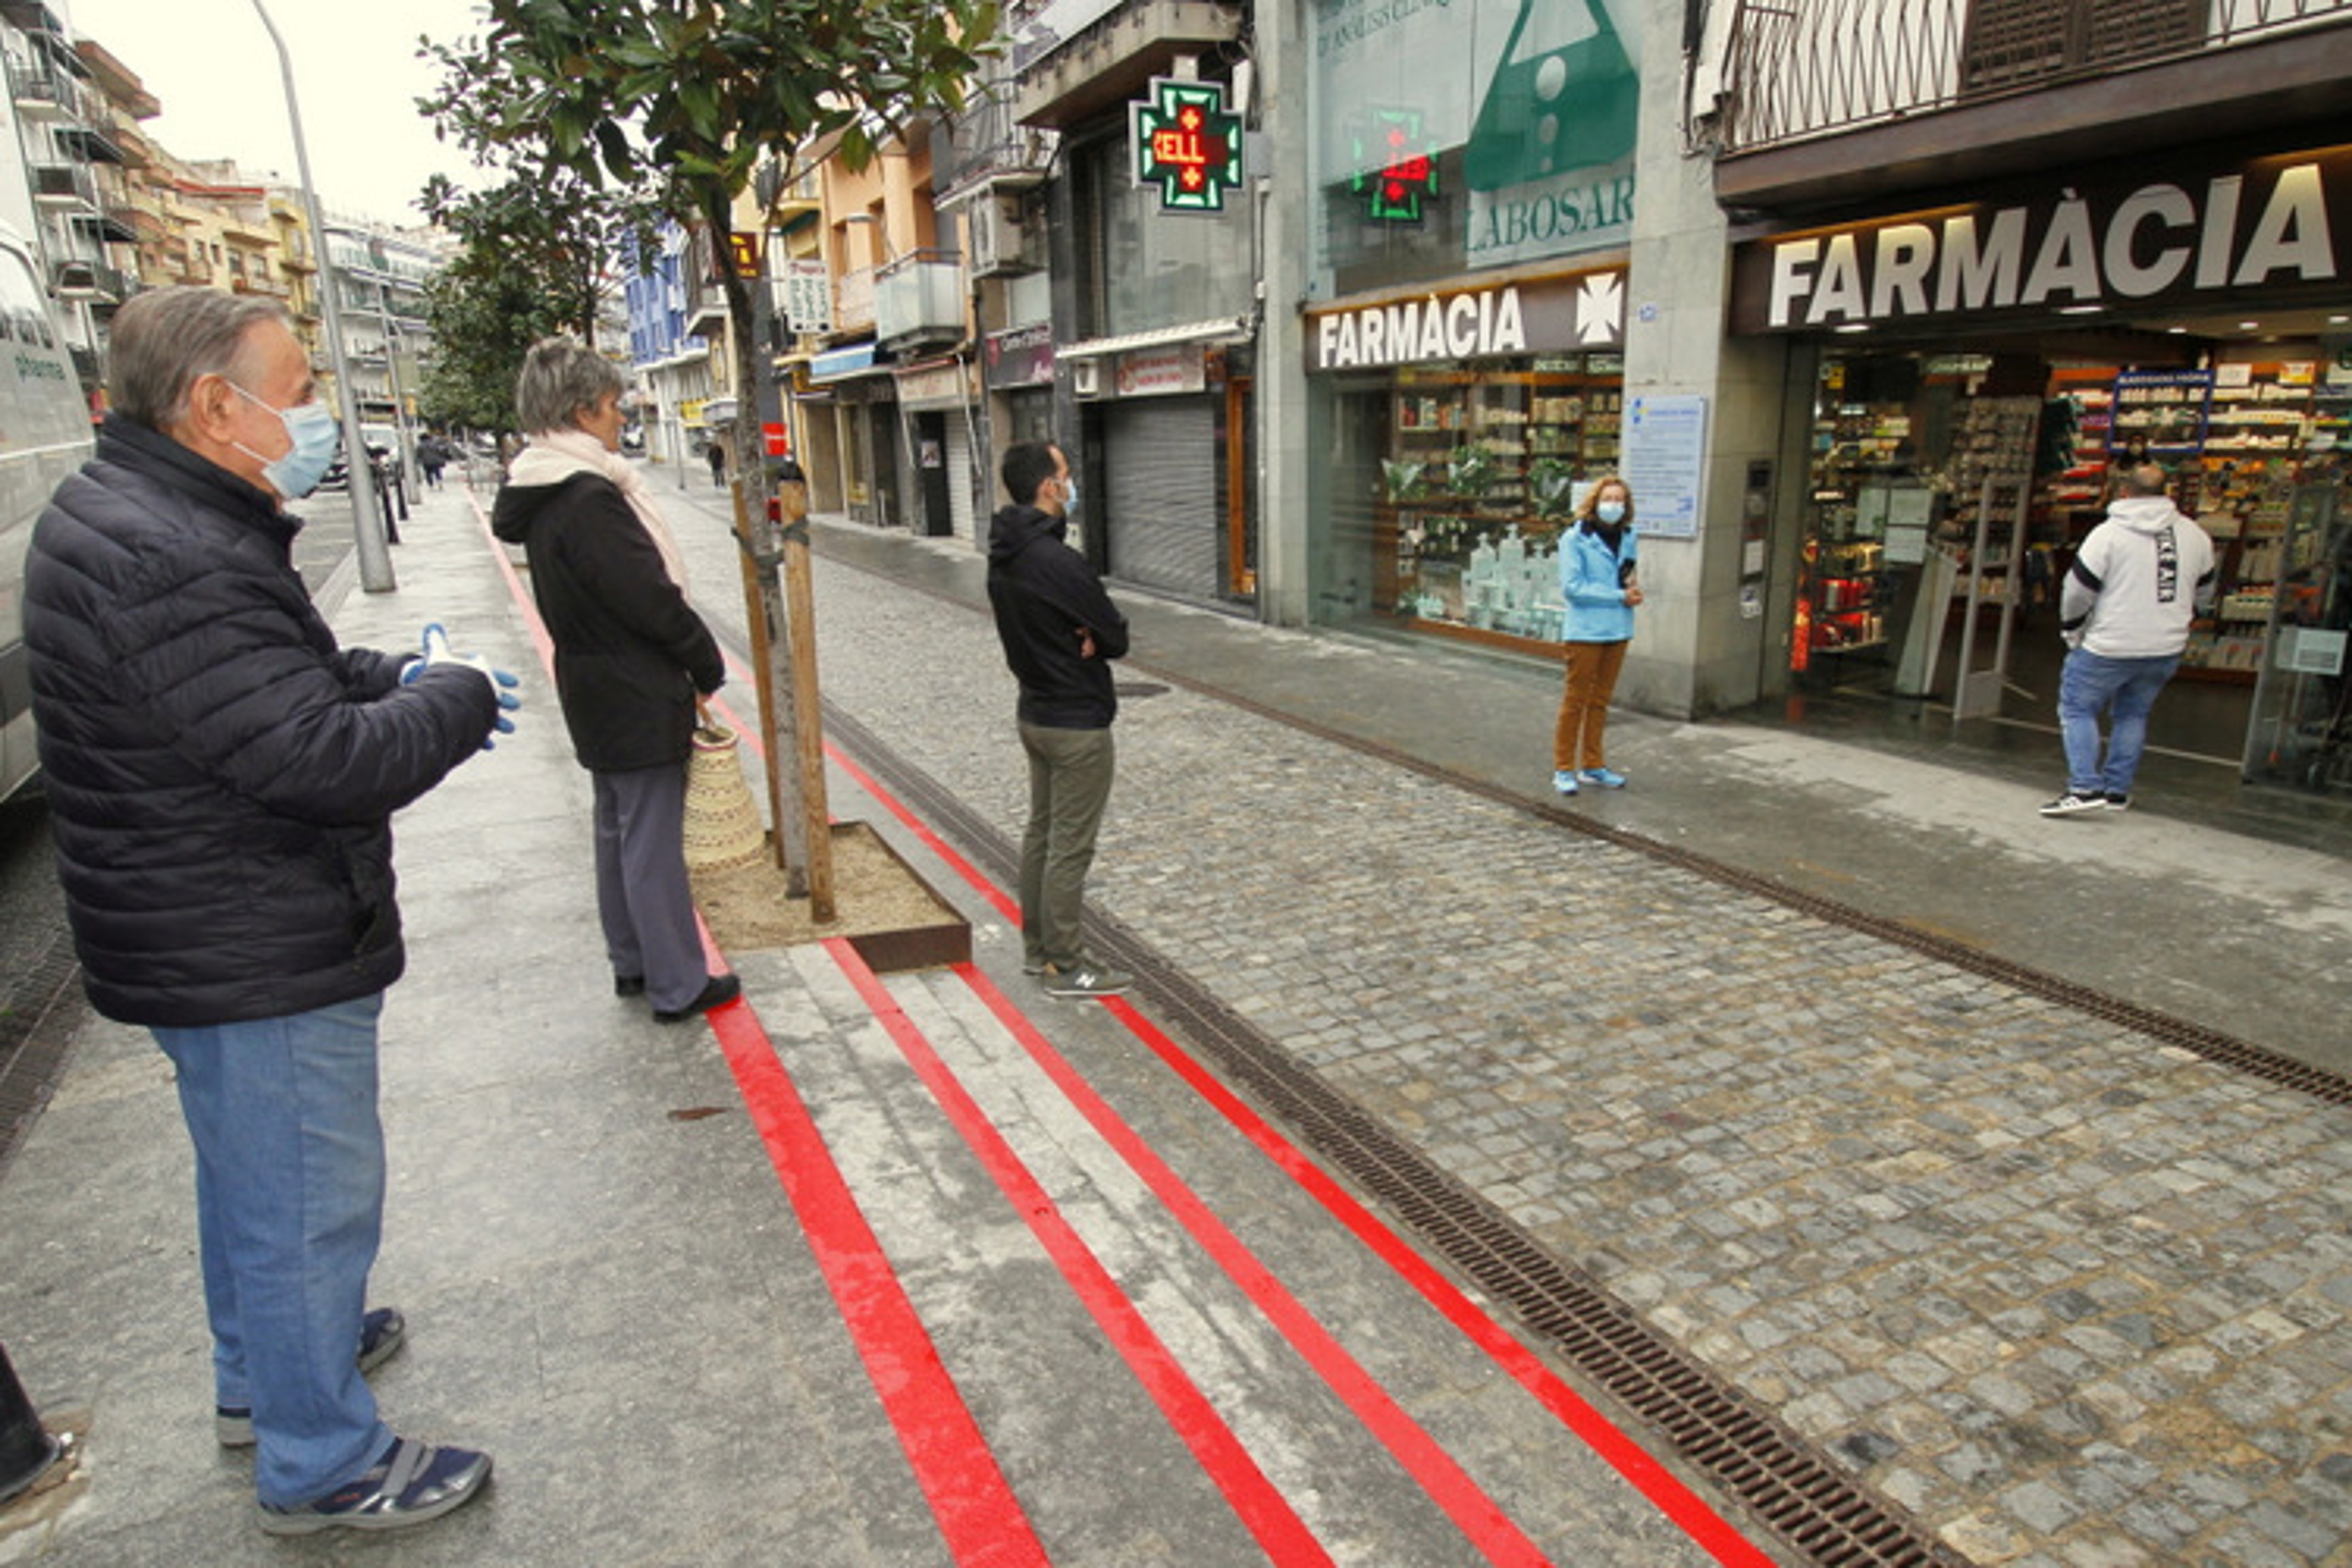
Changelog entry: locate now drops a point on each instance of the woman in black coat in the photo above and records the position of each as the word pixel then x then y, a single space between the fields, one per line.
pixel 631 657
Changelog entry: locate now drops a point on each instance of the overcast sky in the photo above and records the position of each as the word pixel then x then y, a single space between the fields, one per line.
pixel 212 65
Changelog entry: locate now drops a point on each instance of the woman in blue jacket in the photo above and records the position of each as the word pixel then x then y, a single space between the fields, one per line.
pixel 1596 579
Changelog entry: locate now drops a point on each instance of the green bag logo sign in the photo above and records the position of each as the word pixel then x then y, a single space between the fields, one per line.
pixel 1552 108
pixel 1187 144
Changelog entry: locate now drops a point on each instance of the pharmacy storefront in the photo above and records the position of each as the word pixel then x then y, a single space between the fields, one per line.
pixel 1983 363
pixel 1472 165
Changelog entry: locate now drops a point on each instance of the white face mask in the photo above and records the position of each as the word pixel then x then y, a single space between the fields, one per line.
pixel 1610 511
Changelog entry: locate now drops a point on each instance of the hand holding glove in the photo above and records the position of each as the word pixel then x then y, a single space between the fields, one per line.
pixel 437 651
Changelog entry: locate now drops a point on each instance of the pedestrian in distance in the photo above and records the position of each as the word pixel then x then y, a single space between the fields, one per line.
pixel 716 454
pixel 631 658
pixel 1060 631
pixel 2139 580
pixel 432 457
pixel 221 778
pixel 1599 585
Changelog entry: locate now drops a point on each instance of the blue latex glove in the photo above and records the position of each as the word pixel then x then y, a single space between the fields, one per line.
pixel 437 651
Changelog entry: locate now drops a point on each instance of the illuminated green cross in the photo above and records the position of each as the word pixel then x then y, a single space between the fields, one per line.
pixel 1187 144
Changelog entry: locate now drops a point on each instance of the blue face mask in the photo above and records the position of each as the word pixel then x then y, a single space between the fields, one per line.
pixel 1070 496
pixel 1612 512
pixel 311 427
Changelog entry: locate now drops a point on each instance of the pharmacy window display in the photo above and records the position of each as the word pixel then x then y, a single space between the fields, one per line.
pixel 1483 471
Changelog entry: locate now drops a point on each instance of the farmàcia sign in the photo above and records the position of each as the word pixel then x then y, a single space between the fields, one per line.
pixel 2073 246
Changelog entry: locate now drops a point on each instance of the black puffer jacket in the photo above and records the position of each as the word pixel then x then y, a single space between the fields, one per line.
pixel 630 653
pixel 221 775
pixel 1043 593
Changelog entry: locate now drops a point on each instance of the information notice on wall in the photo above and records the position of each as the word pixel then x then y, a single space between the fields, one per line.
pixel 1665 462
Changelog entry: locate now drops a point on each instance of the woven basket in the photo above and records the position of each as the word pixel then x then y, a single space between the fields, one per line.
pixel 722 820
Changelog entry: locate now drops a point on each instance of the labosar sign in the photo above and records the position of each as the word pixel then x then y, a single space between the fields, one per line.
pixel 2083 245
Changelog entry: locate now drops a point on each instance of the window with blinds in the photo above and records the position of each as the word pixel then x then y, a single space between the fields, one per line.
pixel 2017 43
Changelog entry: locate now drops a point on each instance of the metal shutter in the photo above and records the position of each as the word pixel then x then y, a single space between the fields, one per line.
pixel 1162 507
pixel 959 476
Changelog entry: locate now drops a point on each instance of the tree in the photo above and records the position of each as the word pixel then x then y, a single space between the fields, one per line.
pixel 532 261
pixel 685 99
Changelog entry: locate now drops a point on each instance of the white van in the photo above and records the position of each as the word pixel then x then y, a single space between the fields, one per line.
pixel 45 435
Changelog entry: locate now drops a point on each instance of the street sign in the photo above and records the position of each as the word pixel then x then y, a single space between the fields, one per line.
pixel 808 296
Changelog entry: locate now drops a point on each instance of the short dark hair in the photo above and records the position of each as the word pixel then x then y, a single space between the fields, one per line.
pixel 1027 465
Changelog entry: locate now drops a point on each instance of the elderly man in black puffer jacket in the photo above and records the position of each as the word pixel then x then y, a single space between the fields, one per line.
pixel 221 778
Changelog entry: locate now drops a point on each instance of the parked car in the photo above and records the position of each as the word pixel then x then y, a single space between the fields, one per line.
pixel 45 435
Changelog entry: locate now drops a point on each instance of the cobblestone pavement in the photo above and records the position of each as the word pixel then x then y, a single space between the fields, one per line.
pixel 2069 1296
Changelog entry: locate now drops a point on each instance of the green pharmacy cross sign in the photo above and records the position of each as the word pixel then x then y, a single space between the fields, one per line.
pixel 1402 175
pixel 1187 144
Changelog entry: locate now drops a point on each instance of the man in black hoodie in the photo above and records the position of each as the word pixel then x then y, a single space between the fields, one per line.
pixel 1059 630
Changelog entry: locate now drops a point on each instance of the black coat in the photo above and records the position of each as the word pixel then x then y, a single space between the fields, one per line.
pixel 1043 593
pixel 221 776
pixel 630 653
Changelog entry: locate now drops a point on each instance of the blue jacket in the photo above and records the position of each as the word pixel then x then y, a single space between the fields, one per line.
pixel 221 775
pixel 1591 580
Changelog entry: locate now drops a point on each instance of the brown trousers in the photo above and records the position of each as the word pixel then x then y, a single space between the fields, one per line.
pixel 1576 735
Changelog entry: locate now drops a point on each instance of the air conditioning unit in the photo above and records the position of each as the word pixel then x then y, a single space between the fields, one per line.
pixel 1085 378
pixel 1002 242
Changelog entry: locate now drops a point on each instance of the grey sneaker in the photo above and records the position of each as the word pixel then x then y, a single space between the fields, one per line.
pixel 381 1333
pixel 412 1483
pixel 1088 978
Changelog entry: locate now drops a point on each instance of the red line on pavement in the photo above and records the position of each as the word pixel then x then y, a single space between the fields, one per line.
pixel 1262 1508
pixel 1478 1517
pixel 977 1511
pixel 979 1516
pixel 1622 1453
pixel 1689 1512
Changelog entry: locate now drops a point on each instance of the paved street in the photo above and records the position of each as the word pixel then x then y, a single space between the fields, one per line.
pixel 2042 1289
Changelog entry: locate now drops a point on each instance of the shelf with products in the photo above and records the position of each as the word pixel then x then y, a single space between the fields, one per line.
pixel 1478 481
pixel 2244 502
pixel 2162 412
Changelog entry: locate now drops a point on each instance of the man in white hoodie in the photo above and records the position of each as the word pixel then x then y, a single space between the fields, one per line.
pixel 2139 580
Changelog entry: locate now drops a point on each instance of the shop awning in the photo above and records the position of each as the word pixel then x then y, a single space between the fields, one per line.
pixel 842 364
pixel 1228 328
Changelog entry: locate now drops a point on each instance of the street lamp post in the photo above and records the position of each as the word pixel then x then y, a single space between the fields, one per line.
pixel 367 523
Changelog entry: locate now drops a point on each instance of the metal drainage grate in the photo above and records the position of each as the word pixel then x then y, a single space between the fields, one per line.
pixel 1801 1496
pixel 36 1026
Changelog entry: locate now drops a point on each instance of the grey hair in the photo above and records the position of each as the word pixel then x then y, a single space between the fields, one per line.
pixel 2144 479
pixel 562 378
pixel 164 339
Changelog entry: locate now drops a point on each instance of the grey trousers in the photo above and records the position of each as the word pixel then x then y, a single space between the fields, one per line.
pixel 1070 783
pixel 642 894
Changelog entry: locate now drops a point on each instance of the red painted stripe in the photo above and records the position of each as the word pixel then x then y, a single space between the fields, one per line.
pixel 1669 1495
pixel 1261 1506
pixel 978 1514
pixel 978 1517
pixel 1476 1514
pixel 1006 905
pixel 1690 1512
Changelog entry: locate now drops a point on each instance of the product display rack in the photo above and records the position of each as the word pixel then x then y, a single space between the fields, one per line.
pixel 1477 487
pixel 1845 591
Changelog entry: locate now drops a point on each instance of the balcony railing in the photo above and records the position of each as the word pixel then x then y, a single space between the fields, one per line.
pixel 42 93
pixel 63 185
pixel 918 299
pixel 1800 69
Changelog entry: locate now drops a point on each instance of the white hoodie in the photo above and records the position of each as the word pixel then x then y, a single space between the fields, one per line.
pixel 2137 582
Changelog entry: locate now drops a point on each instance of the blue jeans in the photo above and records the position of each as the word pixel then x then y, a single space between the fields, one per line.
pixel 289 1209
pixel 2122 688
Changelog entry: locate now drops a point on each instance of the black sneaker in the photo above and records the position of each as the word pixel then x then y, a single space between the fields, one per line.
pixel 381 1333
pixel 412 1483
pixel 2117 801
pixel 2075 803
pixel 720 990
